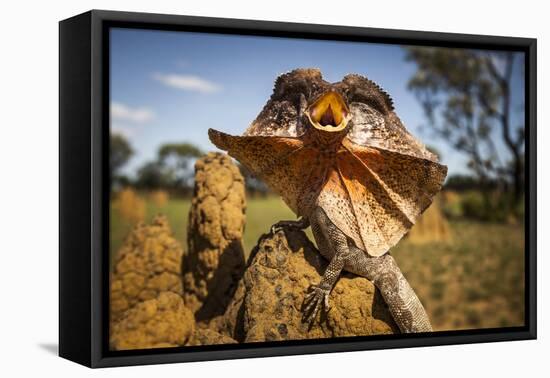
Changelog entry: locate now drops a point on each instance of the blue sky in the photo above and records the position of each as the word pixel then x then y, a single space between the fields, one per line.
pixel 173 86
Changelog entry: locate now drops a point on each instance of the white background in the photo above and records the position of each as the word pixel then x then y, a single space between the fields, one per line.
pixel 29 187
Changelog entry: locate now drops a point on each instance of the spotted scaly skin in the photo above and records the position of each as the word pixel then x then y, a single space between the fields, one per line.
pixel 404 305
pixel 342 160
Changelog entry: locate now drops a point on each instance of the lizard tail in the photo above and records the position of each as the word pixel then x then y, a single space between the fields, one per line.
pixel 404 305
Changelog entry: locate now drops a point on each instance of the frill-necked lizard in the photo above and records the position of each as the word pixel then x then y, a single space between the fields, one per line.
pixel 342 160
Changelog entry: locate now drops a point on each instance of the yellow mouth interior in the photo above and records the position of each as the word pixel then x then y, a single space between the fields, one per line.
pixel 329 112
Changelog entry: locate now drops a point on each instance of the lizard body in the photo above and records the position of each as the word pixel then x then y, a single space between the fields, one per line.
pixel 343 254
pixel 341 159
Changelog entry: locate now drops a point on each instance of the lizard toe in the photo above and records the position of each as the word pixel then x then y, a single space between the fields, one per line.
pixel 316 299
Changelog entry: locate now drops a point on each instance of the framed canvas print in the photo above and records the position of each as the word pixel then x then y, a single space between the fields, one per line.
pixel 233 188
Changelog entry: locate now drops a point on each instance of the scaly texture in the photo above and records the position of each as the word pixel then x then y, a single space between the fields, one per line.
pixel 148 263
pixel 373 178
pixel 340 157
pixel 214 261
pixel 404 305
pixel 155 323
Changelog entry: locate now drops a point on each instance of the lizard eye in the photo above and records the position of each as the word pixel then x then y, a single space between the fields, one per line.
pixel 374 102
pixel 329 112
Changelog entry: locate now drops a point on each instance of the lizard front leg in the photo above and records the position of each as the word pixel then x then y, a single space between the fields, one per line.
pixel 319 294
pixel 334 247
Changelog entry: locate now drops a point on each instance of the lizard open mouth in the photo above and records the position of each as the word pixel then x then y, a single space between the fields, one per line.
pixel 329 112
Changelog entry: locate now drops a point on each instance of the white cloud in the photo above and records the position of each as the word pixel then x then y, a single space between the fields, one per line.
pixel 187 83
pixel 124 130
pixel 121 112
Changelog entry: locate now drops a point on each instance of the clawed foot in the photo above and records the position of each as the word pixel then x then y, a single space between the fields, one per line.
pixel 299 224
pixel 314 300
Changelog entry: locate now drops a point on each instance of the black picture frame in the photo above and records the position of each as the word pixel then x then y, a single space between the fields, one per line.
pixel 84 187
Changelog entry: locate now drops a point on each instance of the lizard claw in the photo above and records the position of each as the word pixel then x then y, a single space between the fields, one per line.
pixel 297 224
pixel 318 297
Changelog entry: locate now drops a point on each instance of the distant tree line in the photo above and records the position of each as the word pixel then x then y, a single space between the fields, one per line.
pixel 172 169
pixel 467 99
pixel 461 183
pixel 120 153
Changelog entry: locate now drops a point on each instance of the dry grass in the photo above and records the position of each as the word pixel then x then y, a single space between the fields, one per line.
pixel 130 206
pixel 159 198
pixel 430 227
pixel 473 279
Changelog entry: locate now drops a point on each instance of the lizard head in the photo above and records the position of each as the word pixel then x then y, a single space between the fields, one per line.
pixel 339 146
pixel 303 100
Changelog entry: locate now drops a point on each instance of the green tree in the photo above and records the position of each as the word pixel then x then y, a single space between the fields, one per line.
pixel 171 169
pixel 467 100
pixel 120 153
pixel 177 158
pixel 153 175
